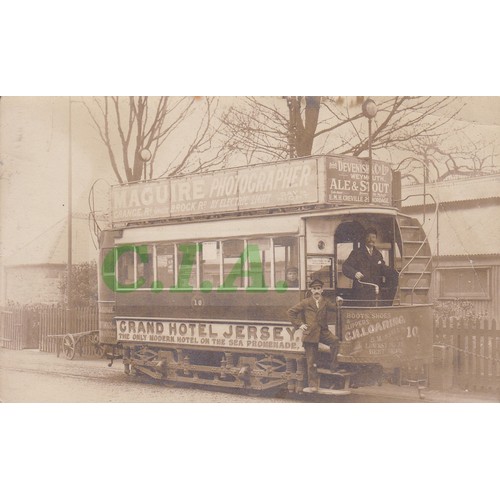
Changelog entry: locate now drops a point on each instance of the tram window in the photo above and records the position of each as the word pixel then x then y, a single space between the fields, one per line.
pixel 232 252
pixel 210 264
pixel 126 269
pixel 343 252
pixel 145 265
pixel 285 257
pixel 320 268
pixel 259 273
pixel 165 265
pixel 187 265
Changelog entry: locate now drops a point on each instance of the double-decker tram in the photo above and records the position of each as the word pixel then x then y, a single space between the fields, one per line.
pixel 197 274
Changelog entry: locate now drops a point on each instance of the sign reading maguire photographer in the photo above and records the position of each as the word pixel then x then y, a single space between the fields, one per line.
pixel 282 184
pixel 348 181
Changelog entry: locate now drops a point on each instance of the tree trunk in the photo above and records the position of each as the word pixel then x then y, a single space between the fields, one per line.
pixel 305 135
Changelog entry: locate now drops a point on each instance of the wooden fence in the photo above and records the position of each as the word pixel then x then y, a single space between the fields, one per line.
pixel 26 328
pixel 474 352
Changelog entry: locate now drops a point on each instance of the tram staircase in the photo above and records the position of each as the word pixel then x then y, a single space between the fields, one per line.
pixel 415 275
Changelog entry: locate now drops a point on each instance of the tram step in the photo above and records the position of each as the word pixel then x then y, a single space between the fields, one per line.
pixel 416 252
pixel 417 272
pixel 339 373
pixel 416 288
pixel 327 392
pixel 414 298
pixel 407 282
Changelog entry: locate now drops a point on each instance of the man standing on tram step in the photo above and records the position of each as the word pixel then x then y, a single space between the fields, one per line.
pixel 310 316
pixel 367 264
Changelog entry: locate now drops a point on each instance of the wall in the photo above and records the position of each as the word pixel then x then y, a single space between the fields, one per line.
pixel 34 284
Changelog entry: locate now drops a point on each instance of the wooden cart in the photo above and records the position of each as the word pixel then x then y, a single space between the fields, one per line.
pixel 69 343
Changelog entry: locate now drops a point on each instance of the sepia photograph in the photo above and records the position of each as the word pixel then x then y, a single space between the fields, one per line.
pixel 250 249
pixel 209 288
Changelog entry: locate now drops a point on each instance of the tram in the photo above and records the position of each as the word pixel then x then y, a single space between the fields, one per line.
pixel 193 274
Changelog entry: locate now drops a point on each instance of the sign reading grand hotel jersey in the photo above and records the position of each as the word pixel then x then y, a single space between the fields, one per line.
pixel 231 190
pixel 259 336
pixel 348 181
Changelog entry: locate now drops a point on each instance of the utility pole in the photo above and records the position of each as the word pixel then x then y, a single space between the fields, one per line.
pixel 70 219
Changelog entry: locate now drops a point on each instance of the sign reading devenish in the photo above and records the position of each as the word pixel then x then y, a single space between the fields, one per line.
pixel 348 181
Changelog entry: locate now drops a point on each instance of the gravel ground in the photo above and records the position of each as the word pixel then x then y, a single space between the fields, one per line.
pixel 31 376
pixel 36 377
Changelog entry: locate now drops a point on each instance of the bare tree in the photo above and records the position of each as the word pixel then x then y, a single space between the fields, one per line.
pixel 311 125
pixel 129 125
pixel 438 160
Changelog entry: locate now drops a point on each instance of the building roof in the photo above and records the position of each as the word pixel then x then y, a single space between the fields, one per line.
pixel 51 246
pixel 469 189
pixel 467 232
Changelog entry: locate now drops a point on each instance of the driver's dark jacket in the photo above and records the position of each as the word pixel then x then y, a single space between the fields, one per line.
pixel 316 319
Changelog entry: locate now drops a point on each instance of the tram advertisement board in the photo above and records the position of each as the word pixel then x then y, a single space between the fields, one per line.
pixel 348 180
pixel 255 336
pixel 386 335
pixel 282 184
pixel 254 187
pixel 140 201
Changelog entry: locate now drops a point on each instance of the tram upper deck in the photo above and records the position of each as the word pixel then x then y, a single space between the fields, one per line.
pixel 307 213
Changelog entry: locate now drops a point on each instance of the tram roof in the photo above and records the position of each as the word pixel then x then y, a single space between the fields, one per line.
pixel 311 182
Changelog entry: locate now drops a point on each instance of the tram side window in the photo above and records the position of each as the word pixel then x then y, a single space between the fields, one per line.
pixel 187 264
pixel 165 265
pixel 145 265
pixel 286 258
pixel 232 251
pixel 126 269
pixel 259 259
pixel 210 264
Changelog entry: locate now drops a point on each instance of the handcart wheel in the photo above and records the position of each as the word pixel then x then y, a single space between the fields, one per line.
pixel 69 346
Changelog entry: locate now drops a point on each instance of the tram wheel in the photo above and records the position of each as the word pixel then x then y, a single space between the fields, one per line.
pixel 69 347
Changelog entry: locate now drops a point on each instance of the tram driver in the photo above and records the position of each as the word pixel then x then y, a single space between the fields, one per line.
pixel 310 317
pixel 366 267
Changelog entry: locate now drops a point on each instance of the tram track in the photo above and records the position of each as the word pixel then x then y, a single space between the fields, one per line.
pixel 119 377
